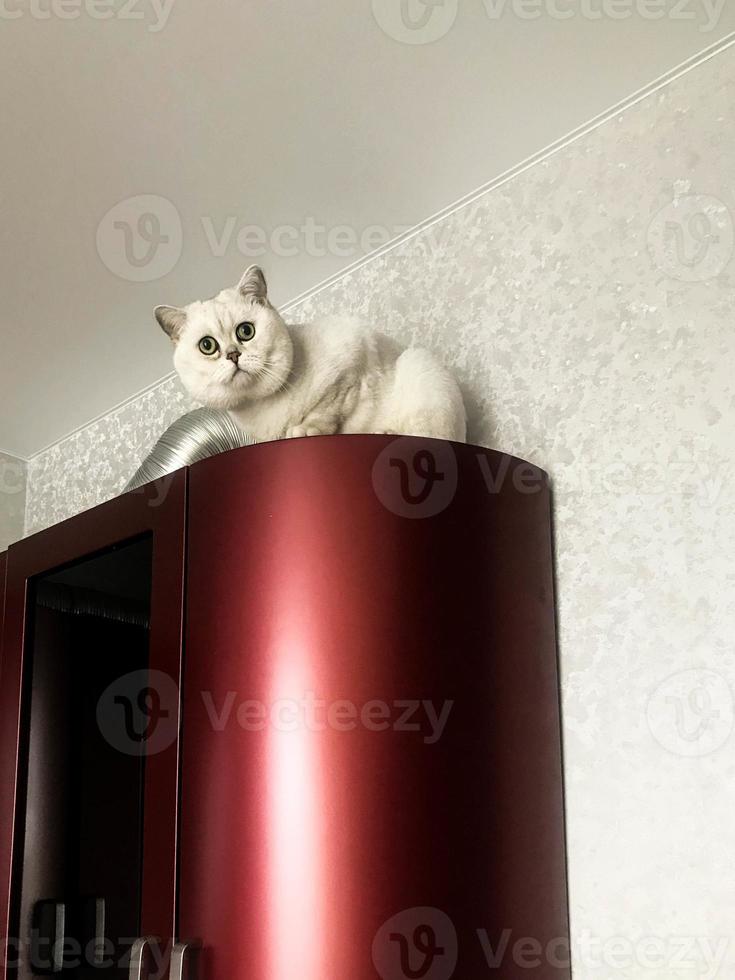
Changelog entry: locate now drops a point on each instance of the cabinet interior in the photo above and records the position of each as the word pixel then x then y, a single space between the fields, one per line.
pixel 78 856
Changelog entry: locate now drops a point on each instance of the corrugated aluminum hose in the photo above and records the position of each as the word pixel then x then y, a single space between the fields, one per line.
pixel 195 436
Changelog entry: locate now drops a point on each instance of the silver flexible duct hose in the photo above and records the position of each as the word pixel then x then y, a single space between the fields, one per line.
pixel 195 436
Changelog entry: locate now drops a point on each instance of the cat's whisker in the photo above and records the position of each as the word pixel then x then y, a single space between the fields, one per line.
pixel 267 373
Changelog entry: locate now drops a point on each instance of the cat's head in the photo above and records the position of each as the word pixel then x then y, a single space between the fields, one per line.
pixel 232 348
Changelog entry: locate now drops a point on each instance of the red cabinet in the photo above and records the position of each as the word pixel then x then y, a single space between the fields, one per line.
pixel 3 565
pixel 368 765
pixel 88 815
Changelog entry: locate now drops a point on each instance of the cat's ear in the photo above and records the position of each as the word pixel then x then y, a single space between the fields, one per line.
pixel 171 320
pixel 253 284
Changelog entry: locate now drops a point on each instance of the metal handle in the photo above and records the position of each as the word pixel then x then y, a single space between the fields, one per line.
pixel 140 957
pixel 183 960
pixel 89 915
pixel 48 936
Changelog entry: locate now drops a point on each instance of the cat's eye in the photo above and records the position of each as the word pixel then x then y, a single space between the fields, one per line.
pixel 208 346
pixel 245 331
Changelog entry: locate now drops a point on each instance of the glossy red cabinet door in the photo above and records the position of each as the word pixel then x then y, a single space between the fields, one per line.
pixel 155 515
pixel 3 565
pixel 371 780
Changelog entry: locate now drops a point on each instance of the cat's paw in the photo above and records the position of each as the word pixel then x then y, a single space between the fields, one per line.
pixel 299 431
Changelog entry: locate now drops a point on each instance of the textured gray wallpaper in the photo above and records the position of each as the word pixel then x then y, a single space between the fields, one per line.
pixel 12 499
pixel 587 307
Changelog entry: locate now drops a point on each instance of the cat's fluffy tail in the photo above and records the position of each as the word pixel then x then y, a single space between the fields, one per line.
pixel 426 400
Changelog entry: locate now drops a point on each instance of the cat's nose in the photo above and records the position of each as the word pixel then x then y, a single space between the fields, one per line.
pixel 233 354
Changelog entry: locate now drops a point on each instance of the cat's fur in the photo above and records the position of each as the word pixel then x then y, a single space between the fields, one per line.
pixel 313 379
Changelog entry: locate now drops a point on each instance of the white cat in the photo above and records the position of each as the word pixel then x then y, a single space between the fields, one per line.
pixel 235 352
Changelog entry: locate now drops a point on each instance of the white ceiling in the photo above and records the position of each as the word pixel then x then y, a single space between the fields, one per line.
pixel 266 113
